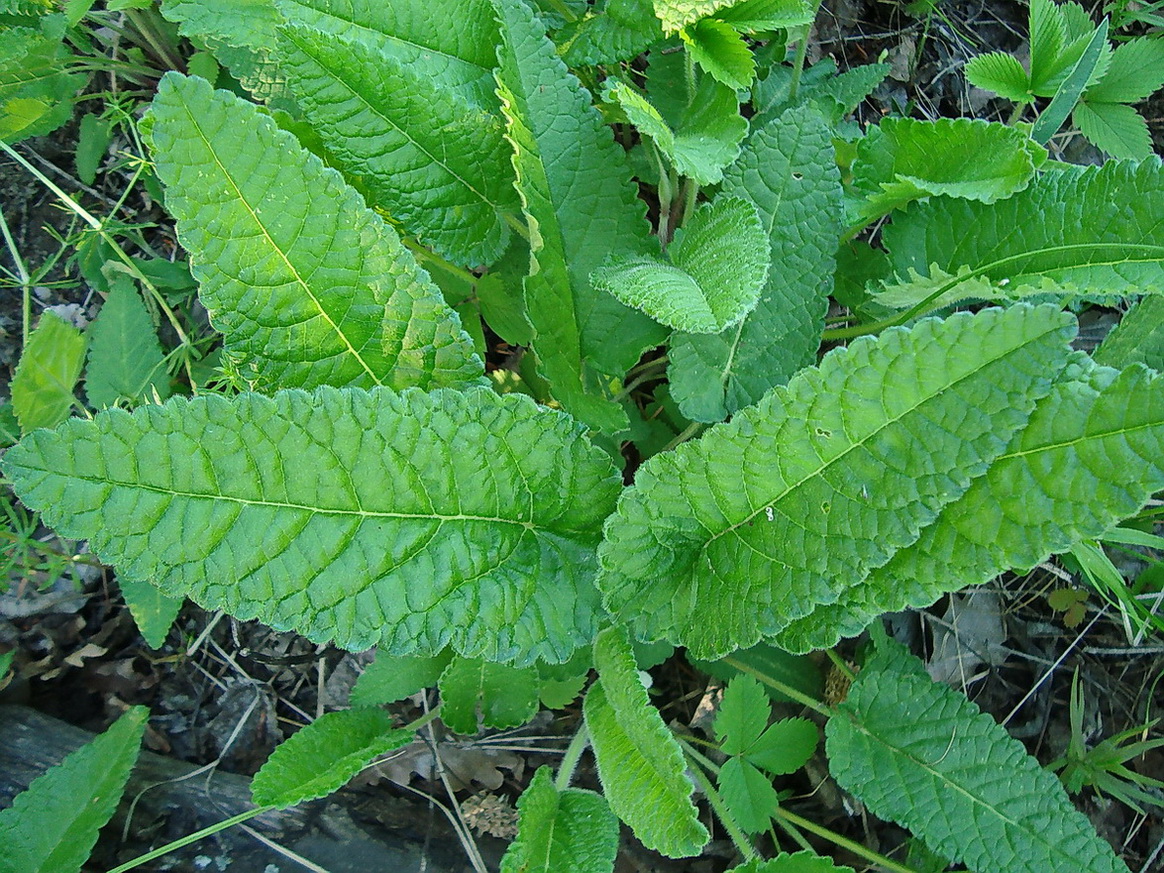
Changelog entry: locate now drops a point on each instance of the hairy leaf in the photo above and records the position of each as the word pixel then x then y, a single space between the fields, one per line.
pixel 801 862
pixel 572 829
pixel 639 762
pixel 789 171
pixel 1114 128
pixel 503 696
pixel 769 515
pixel 52 826
pixel 309 286
pixel 919 753
pixel 153 612
pixel 50 365
pixel 125 357
pixel 757 16
pixel 437 163
pixel 321 757
pixel 1139 337
pixel 720 50
pixel 619 32
pixel 581 205
pixel 410 521
pixel 393 677
pixel 678 13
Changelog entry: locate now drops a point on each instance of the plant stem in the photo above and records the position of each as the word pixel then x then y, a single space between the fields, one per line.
pixel 25 282
pixel 428 257
pixel 739 838
pixel 573 755
pixel 798 63
pixel 688 432
pixel 844 842
pixel 840 664
pixel 783 688
pixel 191 838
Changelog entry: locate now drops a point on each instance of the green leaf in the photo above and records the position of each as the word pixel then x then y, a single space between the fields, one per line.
pixel 801 862
pixel 309 286
pixel 789 171
pixel 153 612
pixel 902 159
pixel 834 95
pixel 1048 35
pixel 1089 457
pixel 93 140
pixel 36 91
pixel 1115 128
pixel 1139 337
pixel 50 365
pixel 52 826
pixel 640 764
pixel 321 757
pixel 1136 72
pixel 437 163
pixel 1002 74
pixel 560 143
pixel 1087 231
pixel 1068 94
pixel 501 695
pixel 312 512
pixel 619 32
pixel 721 51
pixel 571 829
pixel 798 671
pixel 393 677
pixel 757 16
pixel 919 753
pixel 718 264
pixel 748 793
pixel 769 515
pixel 679 13
pixel 743 715
pixel 785 746
pixel 125 357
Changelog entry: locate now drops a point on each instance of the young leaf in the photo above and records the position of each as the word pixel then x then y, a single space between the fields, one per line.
pixel 125 357
pixel 764 516
pixel 679 13
pixel 322 512
pixel 718 264
pixel 640 764
pixel 1139 337
pixel 52 827
pixel 153 612
pixel 801 862
pixel 720 50
pixel 784 747
pixel 1002 74
pixel 919 753
pixel 560 140
pixel 321 757
pixel 789 171
pixel 393 677
pixel 502 695
pixel 748 793
pixel 42 386
pixel 1115 128
pixel 308 285
pixel 557 830
pixel 437 163
pixel 743 715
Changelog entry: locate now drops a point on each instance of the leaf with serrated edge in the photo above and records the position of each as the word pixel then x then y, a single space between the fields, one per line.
pixel 1139 337
pixel 743 715
pixel 320 758
pixel 621 31
pixel 125 357
pixel 919 753
pixel 52 826
pixel 153 612
pixel 785 747
pixel 503 696
pixel 1114 128
pixel 1002 74
pixel 572 829
pixel 640 764
pixel 393 677
pixel 408 521
pixel 721 51
pixel 1136 71
pixel 789 171
pixel 801 862
pixel 559 139
pixel 50 365
pixel 748 793
pixel 767 515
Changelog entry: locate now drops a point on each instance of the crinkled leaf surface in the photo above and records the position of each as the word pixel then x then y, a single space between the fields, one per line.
pixel 640 764
pixel 582 206
pixel 125 357
pixel 754 16
pixel 322 756
pixel 50 365
pixel 619 31
pixel 52 826
pixel 407 520
pixel 718 264
pixel 677 13
pixel 308 285
pixel 835 95
pixel 570 830
pixel 1096 232
pixel 1139 337
pixel 502 695
pixel 789 171
pixel 437 163
pixel 801 862
pixel 1089 457
pixel 769 515
pixel 919 753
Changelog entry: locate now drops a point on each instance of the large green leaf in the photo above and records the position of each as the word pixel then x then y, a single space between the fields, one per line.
pixel 50 365
pixel 789 171
pixel 1092 231
pixel 309 286
pixel 920 754
pixel 52 827
pixel 640 764
pixel 125 357
pixel 405 520
pixel 824 479
pixel 437 163
pixel 581 205
pixel 1090 456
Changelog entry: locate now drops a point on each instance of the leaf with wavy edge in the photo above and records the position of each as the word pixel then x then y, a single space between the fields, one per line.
pixel 919 753
pixel 619 32
pixel 408 521
pixel 581 204
pixel 438 164
pixel 771 514
pixel 800 862
pixel 308 285
pixel 1090 456
pixel 678 13
pixel 503 695
pixel 640 764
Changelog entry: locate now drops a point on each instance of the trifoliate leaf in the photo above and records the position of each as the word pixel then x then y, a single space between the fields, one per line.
pixel 557 830
pixel 125 357
pixel 393 677
pixel 678 13
pixel 719 262
pixel 1136 72
pixel 764 516
pixel 801 862
pixel 748 793
pixel 499 695
pixel 308 285
pixel 313 513
pixel 721 51
pixel 153 612
pixel 320 758
pixel 52 826
pixel 743 715
pixel 1139 337
pixel 784 747
pixel 1002 74
pixel 50 365
pixel 1115 128
pixel 1086 70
